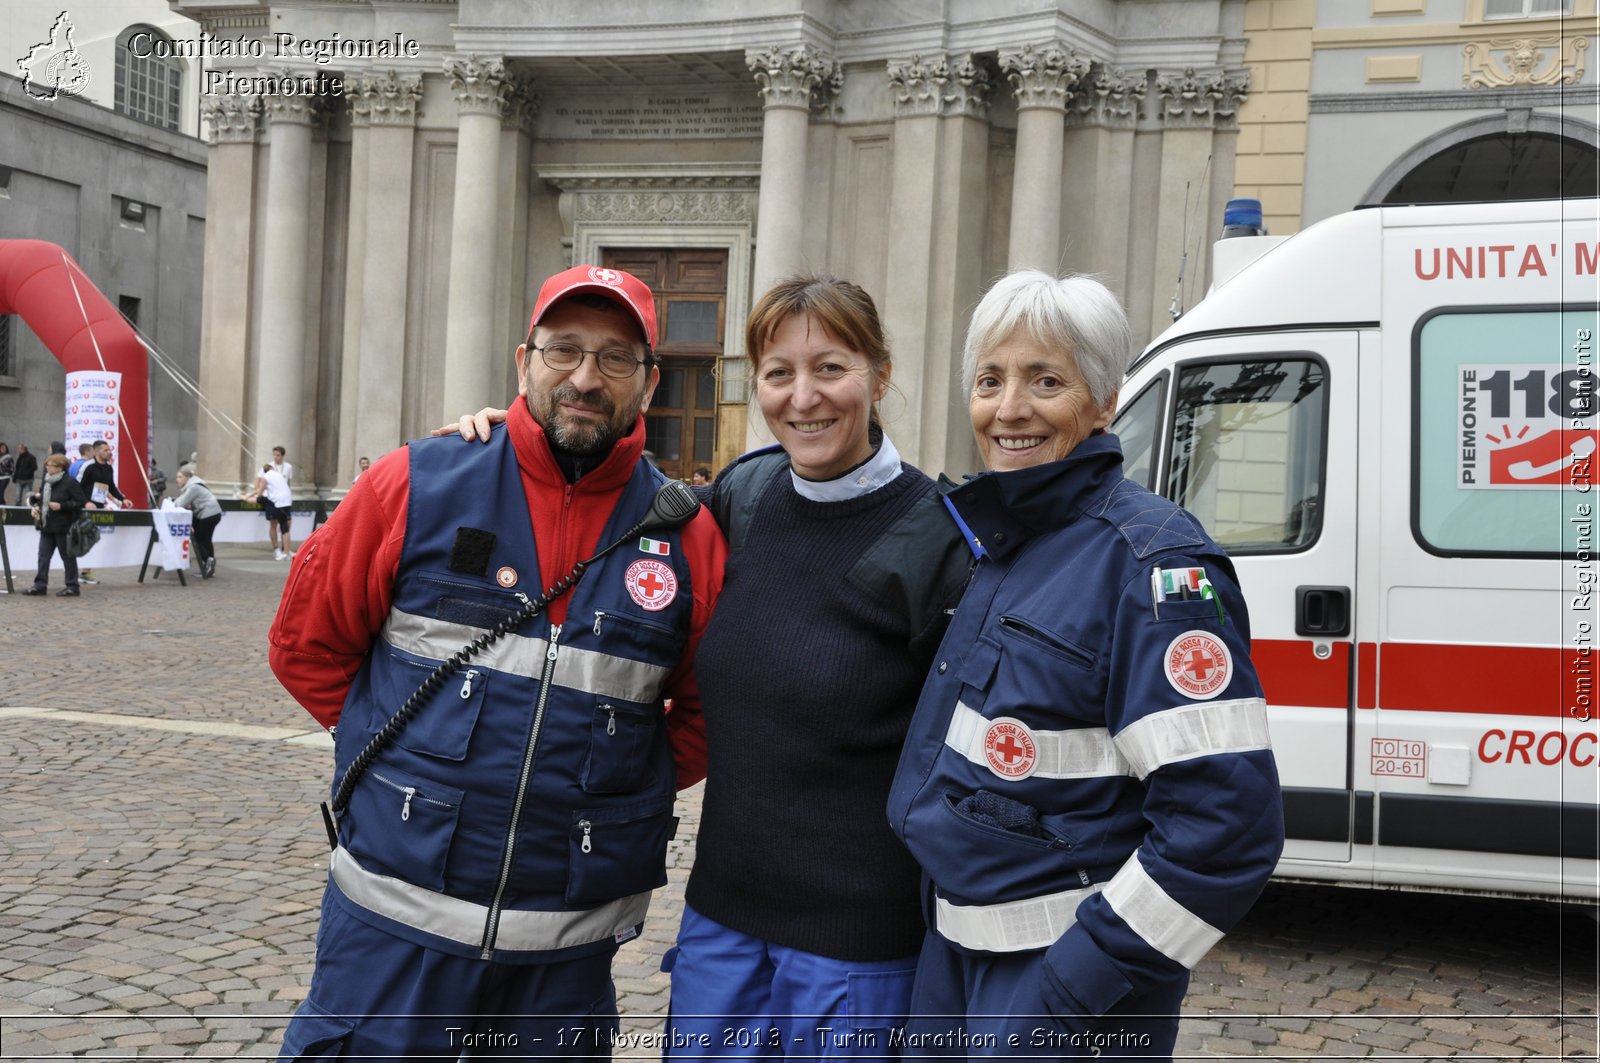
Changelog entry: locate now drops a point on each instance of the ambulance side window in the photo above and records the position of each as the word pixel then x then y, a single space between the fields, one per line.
pixel 1247 446
pixel 1504 431
pixel 1136 427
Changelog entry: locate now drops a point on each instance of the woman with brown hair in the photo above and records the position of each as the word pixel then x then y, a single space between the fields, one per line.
pixel 802 920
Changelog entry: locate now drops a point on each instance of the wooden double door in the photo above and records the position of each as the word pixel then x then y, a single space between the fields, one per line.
pixel 690 288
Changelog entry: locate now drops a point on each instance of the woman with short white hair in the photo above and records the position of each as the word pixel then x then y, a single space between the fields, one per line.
pixel 1087 783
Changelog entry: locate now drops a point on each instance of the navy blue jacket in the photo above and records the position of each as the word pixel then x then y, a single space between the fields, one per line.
pixel 524 813
pixel 1084 755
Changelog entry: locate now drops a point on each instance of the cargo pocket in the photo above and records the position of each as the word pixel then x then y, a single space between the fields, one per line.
pixel 879 1000
pixel 315 1035
pixel 1022 858
pixel 618 852
pixel 443 726
pixel 401 825
pixel 621 746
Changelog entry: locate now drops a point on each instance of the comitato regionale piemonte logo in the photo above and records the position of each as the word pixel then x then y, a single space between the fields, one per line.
pixel 54 67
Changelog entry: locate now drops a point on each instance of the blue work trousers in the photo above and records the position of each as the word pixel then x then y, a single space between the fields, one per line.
pixel 377 996
pixel 982 1005
pixel 738 997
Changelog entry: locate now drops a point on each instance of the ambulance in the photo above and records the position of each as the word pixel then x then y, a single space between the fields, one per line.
pixel 1388 420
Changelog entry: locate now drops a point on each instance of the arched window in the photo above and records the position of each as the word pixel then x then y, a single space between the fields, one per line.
pixel 1498 166
pixel 149 78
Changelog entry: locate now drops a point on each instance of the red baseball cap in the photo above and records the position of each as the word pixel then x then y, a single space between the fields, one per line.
pixel 620 286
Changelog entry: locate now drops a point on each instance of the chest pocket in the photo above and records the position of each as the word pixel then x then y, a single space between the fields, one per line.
pixel 641 642
pixel 621 747
pixel 443 727
pixel 1041 676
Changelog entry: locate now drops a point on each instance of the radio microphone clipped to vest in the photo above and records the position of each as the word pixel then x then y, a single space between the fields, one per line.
pixel 672 507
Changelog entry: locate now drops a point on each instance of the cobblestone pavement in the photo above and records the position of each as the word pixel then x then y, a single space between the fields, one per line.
pixel 161 863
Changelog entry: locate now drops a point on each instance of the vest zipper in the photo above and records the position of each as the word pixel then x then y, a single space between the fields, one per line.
pixel 492 926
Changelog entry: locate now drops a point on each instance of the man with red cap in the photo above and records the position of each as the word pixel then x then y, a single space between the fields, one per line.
pixel 498 831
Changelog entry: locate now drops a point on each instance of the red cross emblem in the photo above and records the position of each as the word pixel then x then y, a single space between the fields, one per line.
pixel 1010 749
pixel 652 584
pixel 1198 665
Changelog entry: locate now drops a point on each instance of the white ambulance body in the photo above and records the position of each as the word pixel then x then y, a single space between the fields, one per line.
pixel 1388 421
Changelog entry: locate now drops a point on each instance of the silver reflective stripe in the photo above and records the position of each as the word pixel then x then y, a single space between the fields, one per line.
pixel 1190 731
pixel 1167 926
pixel 589 670
pixel 1081 753
pixel 463 921
pixel 612 677
pixel 1015 926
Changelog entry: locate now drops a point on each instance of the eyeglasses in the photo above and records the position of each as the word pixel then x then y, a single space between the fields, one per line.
pixel 615 362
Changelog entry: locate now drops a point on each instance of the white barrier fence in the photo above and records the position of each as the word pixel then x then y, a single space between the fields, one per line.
pixel 125 535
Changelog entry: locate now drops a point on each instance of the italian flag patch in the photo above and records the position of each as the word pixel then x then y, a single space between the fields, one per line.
pixel 651 546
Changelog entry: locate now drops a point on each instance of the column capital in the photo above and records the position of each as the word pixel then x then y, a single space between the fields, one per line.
pixel 974 87
pixel 232 119
pixel 389 98
pixel 293 110
pixel 796 77
pixel 1043 77
pixel 1111 97
pixel 918 86
pixel 933 86
pixel 480 84
pixel 522 104
pixel 1204 100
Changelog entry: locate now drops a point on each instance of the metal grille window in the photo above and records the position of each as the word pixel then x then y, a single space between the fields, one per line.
pixel 1525 8
pixel 149 87
pixel 8 365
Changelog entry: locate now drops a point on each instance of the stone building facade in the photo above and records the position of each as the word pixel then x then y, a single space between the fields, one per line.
pixel 373 251
pixel 372 254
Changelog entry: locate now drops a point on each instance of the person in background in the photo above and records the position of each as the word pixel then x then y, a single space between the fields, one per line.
pixel 498 852
pixel 277 508
pixel 8 465
pixel 158 484
pixel 55 507
pixel 362 465
pixel 196 497
pixel 84 459
pixel 285 469
pixel 701 477
pixel 802 911
pixel 1088 782
pixel 27 467
pixel 99 479
pixel 100 485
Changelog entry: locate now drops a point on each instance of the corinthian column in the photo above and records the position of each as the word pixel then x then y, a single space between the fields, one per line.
pixel 280 398
pixel 383 113
pixel 1043 80
pixel 234 123
pixel 789 80
pixel 1192 105
pixel 1098 173
pixel 481 90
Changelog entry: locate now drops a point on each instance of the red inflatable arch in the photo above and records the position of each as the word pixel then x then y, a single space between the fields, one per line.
pixel 41 283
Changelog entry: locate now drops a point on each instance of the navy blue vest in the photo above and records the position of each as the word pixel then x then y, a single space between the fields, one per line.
pixel 538 780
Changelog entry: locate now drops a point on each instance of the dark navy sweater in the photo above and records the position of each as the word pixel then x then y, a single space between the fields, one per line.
pixel 807 686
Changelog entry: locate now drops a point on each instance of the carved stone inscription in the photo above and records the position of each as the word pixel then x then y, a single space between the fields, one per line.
pixel 652 116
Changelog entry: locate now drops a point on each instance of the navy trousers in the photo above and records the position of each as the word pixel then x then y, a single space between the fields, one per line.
pixel 738 997
pixel 377 996
pixel 977 1006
